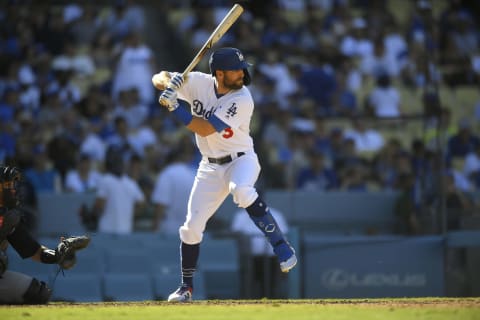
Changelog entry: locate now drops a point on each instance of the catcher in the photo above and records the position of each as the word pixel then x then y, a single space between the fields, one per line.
pixel 18 288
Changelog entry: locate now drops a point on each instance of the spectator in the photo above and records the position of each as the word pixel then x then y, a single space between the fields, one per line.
pixel 366 139
pixel 379 62
pixel 384 164
pixel 131 108
pixel 344 99
pixel 356 43
pixel 353 178
pixel 118 197
pixel 384 100
pixel 7 141
pixel 172 189
pixel 458 204
pixel 319 84
pixel 80 64
pixel 407 212
pixel 83 178
pixel 472 163
pixel 9 105
pixel 435 126
pixel 316 176
pixel 464 142
pixel 134 69
pixel 42 175
pixel 68 92
pixel 274 68
pixel 121 139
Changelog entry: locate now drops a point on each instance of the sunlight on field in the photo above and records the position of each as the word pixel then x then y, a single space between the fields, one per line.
pixel 358 309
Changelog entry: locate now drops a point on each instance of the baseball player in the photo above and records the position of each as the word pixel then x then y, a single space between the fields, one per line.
pixel 18 288
pixel 218 107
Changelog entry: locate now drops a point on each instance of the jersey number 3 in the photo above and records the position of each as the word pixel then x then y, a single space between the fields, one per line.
pixel 228 133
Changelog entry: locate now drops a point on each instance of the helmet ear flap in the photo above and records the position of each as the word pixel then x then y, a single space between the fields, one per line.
pixel 246 77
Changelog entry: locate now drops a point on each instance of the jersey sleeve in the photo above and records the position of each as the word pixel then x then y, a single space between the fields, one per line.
pixel 236 110
pixel 195 81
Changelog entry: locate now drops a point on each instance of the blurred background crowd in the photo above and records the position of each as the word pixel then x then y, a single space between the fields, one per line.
pixel 351 95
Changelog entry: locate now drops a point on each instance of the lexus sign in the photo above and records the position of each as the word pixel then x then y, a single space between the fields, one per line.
pixel 339 279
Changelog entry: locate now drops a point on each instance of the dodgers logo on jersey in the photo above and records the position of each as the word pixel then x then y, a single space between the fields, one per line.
pixel 232 111
pixel 200 110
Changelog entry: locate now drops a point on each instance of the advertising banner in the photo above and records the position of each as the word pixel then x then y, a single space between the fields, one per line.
pixel 373 267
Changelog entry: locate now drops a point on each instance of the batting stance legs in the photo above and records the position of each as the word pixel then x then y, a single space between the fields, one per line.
pixel 212 185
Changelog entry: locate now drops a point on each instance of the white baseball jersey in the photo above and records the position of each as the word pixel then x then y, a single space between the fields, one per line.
pixel 235 109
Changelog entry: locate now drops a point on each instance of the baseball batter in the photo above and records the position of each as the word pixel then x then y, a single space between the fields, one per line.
pixel 218 108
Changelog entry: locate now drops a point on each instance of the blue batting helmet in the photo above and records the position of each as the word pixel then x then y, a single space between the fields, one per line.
pixel 229 59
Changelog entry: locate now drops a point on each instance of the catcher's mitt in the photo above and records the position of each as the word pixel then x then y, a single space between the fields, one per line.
pixel 66 250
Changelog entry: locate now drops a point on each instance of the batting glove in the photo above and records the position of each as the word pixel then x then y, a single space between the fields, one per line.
pixel 168 99
pixel 177 81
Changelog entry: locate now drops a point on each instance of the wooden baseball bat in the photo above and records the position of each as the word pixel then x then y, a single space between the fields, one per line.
pixel 219 31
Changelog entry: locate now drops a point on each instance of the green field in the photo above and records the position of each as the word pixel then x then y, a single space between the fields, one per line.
pixel 345 309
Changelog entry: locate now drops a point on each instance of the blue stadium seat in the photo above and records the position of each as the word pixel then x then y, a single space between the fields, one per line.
pixel 337 212
pixel 124 260
pixel 90 261
pixel 166 256
pixel 128 287
pixel 77 288
pixel 220 265
pixel 58 213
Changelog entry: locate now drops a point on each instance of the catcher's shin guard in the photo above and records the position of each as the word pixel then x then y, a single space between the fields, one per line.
pixel 37 293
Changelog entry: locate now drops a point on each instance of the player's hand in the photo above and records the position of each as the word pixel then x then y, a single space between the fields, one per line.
pixel 177 81
pixel 168 99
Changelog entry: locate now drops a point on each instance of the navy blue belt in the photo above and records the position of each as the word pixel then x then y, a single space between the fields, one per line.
pixel 225 159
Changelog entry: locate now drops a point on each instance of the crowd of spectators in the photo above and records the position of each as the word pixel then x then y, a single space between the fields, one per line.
pixel 76 79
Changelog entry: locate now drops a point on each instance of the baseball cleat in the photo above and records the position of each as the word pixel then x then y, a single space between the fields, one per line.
pixel 182 294
pixel 287 265
pixel 286 256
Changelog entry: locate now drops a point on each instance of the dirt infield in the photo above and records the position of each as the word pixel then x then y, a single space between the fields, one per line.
pixel 397 303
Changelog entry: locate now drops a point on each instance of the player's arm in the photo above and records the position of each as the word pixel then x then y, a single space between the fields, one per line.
pixel 204 127
pixel 180 109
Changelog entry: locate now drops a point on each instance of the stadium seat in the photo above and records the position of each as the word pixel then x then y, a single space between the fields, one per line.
pixel 128 260
pixel 58 213
pixel 166 256
pixel 77 288
pixel 220 265
pixel 90 261
pixel 128 287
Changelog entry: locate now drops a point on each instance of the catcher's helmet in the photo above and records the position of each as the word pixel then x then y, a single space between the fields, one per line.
pixel 229 59
pixel 9 180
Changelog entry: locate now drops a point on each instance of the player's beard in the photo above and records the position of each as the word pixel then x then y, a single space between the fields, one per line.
pixel 233 84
